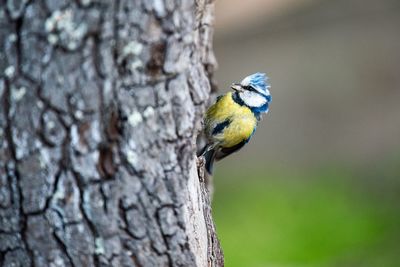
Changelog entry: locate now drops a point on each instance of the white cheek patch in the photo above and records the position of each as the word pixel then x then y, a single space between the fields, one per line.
pixel 252 99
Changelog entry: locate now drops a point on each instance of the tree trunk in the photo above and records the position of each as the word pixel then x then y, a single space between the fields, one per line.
pixel 101 102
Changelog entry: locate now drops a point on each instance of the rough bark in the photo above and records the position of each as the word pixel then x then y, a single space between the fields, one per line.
pixel 101 102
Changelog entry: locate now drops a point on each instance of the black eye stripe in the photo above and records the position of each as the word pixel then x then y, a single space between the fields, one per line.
pixel 250 88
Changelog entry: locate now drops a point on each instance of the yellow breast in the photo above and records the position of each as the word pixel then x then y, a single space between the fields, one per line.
pixel 242 121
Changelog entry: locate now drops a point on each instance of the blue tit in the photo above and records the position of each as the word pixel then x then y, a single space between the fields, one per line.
pixel 232 120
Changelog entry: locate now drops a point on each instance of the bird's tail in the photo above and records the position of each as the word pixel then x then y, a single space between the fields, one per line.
pixel 210 157
pixel 209 152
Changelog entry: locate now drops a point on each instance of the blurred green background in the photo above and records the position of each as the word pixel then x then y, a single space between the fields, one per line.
pixel 319 183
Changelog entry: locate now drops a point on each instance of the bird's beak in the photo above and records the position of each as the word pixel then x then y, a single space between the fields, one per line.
pixel 237 87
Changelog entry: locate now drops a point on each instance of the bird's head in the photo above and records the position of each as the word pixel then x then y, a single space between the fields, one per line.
pixel 254 91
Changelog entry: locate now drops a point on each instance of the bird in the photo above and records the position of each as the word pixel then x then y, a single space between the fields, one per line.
pixel 232 120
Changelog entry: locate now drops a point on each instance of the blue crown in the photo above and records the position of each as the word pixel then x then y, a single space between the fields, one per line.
pixel 259 82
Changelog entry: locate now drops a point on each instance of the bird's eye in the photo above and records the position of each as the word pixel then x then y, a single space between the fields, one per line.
pixel 249 88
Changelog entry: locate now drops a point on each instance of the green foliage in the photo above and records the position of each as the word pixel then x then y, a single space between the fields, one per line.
pixel 323 219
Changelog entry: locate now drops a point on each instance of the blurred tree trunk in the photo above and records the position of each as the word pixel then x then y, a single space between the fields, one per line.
pixel 101 102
